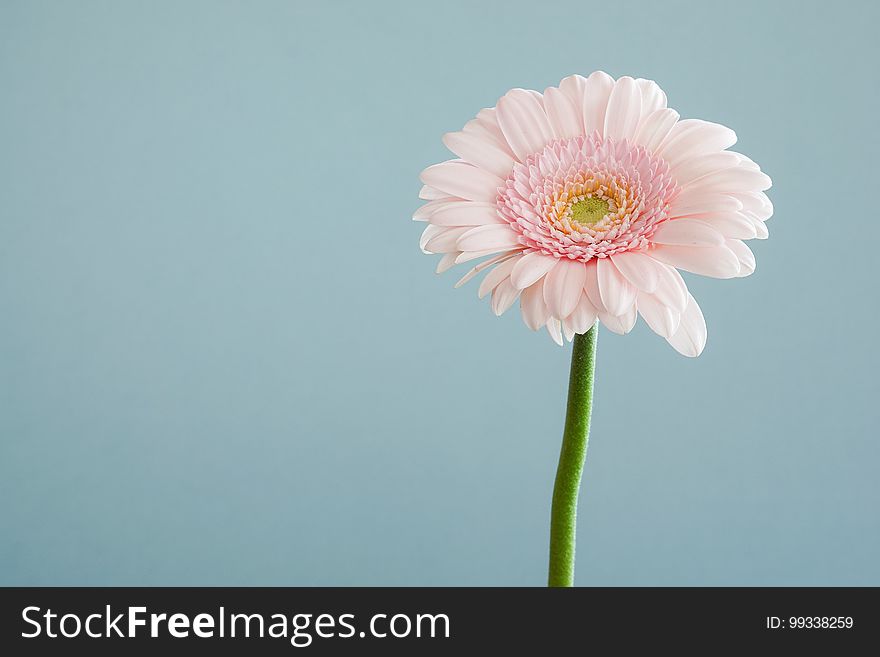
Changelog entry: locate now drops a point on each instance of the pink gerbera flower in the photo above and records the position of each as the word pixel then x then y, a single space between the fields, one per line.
pixel 586 199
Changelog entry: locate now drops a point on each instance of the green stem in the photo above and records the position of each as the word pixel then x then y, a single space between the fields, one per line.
pixel 563 515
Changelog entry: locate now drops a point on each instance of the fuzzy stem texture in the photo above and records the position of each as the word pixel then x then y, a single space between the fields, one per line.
pixel 563 514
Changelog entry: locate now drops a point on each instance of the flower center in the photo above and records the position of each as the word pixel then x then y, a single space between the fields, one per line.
pixel 589 211
pixel 587 197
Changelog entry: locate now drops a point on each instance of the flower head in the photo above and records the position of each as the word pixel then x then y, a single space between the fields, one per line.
pixel 584 202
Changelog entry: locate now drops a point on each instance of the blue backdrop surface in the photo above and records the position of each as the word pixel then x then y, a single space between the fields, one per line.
pixel 225 360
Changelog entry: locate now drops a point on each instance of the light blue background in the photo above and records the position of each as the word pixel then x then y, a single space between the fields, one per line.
pixel 223 359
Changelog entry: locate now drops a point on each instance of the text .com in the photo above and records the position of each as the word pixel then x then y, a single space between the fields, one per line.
pixel 300 629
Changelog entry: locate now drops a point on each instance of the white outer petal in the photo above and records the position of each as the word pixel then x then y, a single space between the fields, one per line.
pixel 597 90
pixel 690 338
pixel 445 239
pixel 624 109
pixel 686 232
pixel 615 290
pixel 574 87
pixel 565 117
pixel 744 255
pixel 494 278
pixel 620 324
pixel 653 97
pixel 492 236
pixel 446 262
pixel 761 232
pixel 524 122
pixel 467 214
pixel 428 193
pixel 473 271
pixel 486 127
pixel 692 137
pixel 480 151
pixel 731 180
pixel 583 316
pixel 695 168
pixel 534 310
pixel 563 285
pixel 654 128
pixel 662 319
pixel 531 268
pixel 714 261
pixel 427 235
pixel 733 225
pixel 671 288
pixel 554 328
pixel 757 203
pixel 591 287
pixel 638 268
pixel 424 212
pixel 503 297
pixel 695 202
pixel 464 180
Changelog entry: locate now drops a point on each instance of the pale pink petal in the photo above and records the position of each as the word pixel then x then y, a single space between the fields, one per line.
pixel 446 262
pixel 428 234
pixel 574 87
pixel 480 151
pixel 624 109
pixel 428 193
pixel 524 123
pixel 563 285
pixel 653 97
pixel 695 168
pixel 638 268
pixel 756 203
pixel 744 255
pixel 583 317
pixel 690 338
pixel 495 276
pixel 747 162
pixel 714 261
pixel 734 179
pixel 425 211
pixel 591 287
pixel 671 288
pixel 761 232
pixel 567 330
pixel 534 310
pixel 467 256
pixel 730 224
pixel 616 292
pixel 444 241
pixel 692 137
pixel 690 203
pixel 473 271
pixel 565 118
pixel 464 180
pixel 628 320
pixel 662 319
pixel 687 232
pixel 483 238
pixel 554 328
pixel 654 128
pixel 486 127
pixel 467 214
pixel 620 324
pixel 597 90
pixel 530 269
pixel 503 297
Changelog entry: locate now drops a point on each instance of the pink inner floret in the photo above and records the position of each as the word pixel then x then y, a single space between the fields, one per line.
pixel 538 196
